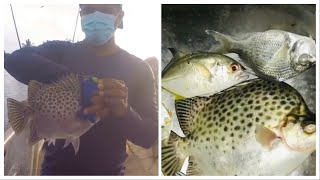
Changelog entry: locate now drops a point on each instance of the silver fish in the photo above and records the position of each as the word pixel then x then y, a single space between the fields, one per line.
pixel 257 127
pixel 201 73
pixel 51 112
pixel 273 54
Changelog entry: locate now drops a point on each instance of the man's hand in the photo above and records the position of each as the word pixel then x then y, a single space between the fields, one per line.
pixel 110 100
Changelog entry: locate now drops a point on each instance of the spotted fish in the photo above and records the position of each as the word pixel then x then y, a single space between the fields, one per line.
pixel 257 127
pixel 273 54
pixel 50 112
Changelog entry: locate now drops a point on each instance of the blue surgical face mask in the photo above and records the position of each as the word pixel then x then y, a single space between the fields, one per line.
pixel 98 27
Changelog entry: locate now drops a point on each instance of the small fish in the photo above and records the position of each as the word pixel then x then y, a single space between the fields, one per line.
pixel 273 54
pixel 200 73
pixel 257 127
pixel 51 112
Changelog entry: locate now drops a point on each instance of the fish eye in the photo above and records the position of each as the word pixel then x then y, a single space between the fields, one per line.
pixel 303 59
pixel 234 67
pixel 309 129
pixel 308 126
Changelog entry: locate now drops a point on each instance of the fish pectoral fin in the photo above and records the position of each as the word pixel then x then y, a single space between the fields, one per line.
pixel 16 115
pixel 192 171
pixel 76 144
pixel 171 162
pixel 280 54
pixel 186 112
pixel 204 71
pixel 265 136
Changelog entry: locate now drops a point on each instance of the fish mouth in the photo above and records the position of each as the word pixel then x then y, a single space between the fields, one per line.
pixel 284 140
pixel 305 61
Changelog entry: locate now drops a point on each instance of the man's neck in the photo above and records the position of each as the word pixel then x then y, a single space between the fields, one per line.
pixel 107 49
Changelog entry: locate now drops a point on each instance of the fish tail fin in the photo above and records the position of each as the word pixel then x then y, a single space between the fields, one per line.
pixel 16 115
pixel 226 42
pixel 171 162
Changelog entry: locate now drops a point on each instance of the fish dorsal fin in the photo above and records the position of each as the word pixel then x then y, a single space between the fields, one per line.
pixel 70 82
pixel 187 110
pixel 16 115
pixel 191 171
pixel 34 135
pixel 176 53
pixel 33 88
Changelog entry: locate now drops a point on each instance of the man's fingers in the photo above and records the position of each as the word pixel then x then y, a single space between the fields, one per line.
pixel 110 101
pixel 97 100
pixel 93 109
pixel 116 93
pixel 104 113
pixel 110 84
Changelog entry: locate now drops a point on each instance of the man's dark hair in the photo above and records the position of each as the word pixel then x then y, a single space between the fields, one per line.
pixel 120 5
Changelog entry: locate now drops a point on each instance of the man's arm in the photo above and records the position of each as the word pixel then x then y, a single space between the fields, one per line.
pixel 40 63
pixel 140 123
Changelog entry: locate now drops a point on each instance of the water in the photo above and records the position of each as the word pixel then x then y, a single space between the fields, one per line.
pixel 12 89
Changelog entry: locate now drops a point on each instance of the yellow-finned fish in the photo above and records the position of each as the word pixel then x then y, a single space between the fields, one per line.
pixel 201 73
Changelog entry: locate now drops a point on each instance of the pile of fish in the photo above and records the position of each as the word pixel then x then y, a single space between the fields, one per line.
pixel 235 126
pixel 50 112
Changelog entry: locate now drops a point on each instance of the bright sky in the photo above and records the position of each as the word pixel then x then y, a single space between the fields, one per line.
pixel 141 35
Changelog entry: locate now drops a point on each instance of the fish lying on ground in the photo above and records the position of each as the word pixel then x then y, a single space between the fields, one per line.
pixel 257 127
pixel 51 112
pixel 201 73
pixel 274 54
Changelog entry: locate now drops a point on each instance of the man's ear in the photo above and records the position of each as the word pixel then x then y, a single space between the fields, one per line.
pixel 119 20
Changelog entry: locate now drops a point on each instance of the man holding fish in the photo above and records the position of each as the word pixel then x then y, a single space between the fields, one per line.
pixel 121 102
